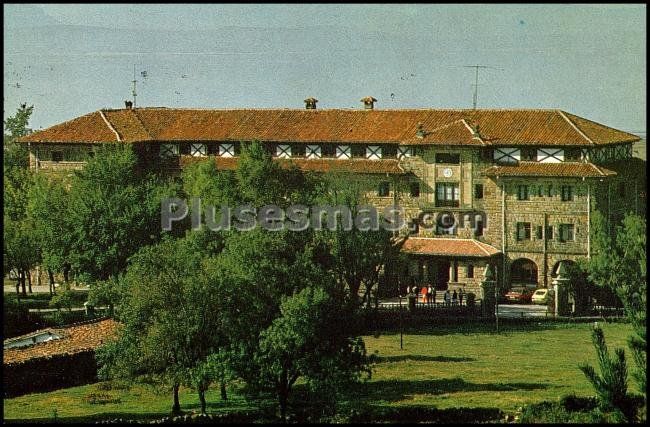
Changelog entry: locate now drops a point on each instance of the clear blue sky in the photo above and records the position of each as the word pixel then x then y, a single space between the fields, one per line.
pixel 72 59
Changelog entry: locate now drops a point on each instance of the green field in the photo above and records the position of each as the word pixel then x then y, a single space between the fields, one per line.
pixel 445 368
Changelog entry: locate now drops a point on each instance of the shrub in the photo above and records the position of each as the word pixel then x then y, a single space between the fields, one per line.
pixel 101 399
pixel 471 299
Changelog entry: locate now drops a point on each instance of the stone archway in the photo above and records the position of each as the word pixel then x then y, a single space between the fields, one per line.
pixel 567 263
pixel 523 271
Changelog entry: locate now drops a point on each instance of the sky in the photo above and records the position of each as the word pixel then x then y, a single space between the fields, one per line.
pixel 71 59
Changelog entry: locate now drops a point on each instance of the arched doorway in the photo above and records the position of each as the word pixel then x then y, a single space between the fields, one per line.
pixel 523 271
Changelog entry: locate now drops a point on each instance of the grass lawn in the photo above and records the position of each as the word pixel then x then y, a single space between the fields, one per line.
pixel 444 367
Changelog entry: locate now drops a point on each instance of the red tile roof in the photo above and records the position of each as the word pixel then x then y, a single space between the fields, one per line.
pixel 448 247
pixel 74 339
pixel 390 166
pixel 497 127
pixel 564 169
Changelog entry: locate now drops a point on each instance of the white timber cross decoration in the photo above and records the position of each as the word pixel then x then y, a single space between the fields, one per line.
pixel 227 150
pixel 403 152
pixel 343 152
pixel 168 150
pixel 198 150
pixel 313 152
pixel 550 155
pixel 373 152
pixel 507 155
pixel 283 151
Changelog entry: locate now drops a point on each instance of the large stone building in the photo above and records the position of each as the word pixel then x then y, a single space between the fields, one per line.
pixel 514 188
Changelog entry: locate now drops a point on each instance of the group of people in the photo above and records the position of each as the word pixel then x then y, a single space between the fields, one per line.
pixel 428 295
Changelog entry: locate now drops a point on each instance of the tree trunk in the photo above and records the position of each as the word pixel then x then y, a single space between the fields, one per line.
pixel 224 395
pixel 29 281
pixel 51 277
pixel 66 273
pixel 176 407
pixel 283 394
pixel 202 399
pixel 22 283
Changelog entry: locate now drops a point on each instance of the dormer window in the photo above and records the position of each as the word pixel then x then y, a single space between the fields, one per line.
pixel 198 150
pixel 283 151
pixel 528 154
pixel 226 150
pixel 373 152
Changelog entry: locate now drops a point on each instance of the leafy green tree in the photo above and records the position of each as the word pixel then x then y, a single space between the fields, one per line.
pixel 611 384
pixel 357 256
pixel 114 210
pixel 48 209
pixel 308 340
pixel 619 263
pixel 15 154
pixel 20 251
pixel 171 317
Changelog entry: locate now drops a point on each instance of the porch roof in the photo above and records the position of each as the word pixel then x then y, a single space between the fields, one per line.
pixel 448 247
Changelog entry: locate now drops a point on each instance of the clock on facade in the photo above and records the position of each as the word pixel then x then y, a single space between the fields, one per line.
pixel 447 172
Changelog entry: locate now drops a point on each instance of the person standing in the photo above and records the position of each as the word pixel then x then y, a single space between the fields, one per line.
pixel 432 295
pixel 454 298
pixel 460 296
pixel 447 297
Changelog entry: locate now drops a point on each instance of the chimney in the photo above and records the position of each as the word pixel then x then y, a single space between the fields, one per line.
pixel 128 104
pixel 310 103
pixel 368 102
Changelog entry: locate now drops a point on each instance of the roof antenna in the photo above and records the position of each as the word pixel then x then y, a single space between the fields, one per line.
pixel 134 81
pixel 476 82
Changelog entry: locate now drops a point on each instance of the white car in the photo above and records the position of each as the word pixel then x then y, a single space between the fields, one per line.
pixel 540 296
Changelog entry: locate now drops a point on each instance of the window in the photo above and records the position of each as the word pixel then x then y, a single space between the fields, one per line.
pixel 572 155
pixel 566 232
pixel 448 158
pixel 384 189
pixel 297 151
pixel 479 227
pixel 343 152
pixel 168 150
pixel 226 150
pixel 522 192
pixel 184 148
pixel 539 232
pixel 373 152
pixel 415 189
pixel 469 272
pixel 283 151
pixel 523 231
pixel 478 191
pixel 57 156
pixel 198 150
pixel 528 154
pixel 549 232
pixel 487 154
pixel 540 191
pixel 414 226
pixel 313 151
pixel 447 194
pixel 567 193
pixel 549 190
pixel 404 152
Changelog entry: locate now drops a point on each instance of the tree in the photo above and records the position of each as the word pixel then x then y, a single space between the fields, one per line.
pixel 357 256
pixel 309 340
pixel 114 210
pixel 20 251
pixel 171 317
pixel 15 154
pixel 611 384
pixel 47 208
pixel 619 263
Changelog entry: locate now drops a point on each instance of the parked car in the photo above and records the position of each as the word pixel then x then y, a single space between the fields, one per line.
pixel 521 295
pixel 540 296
